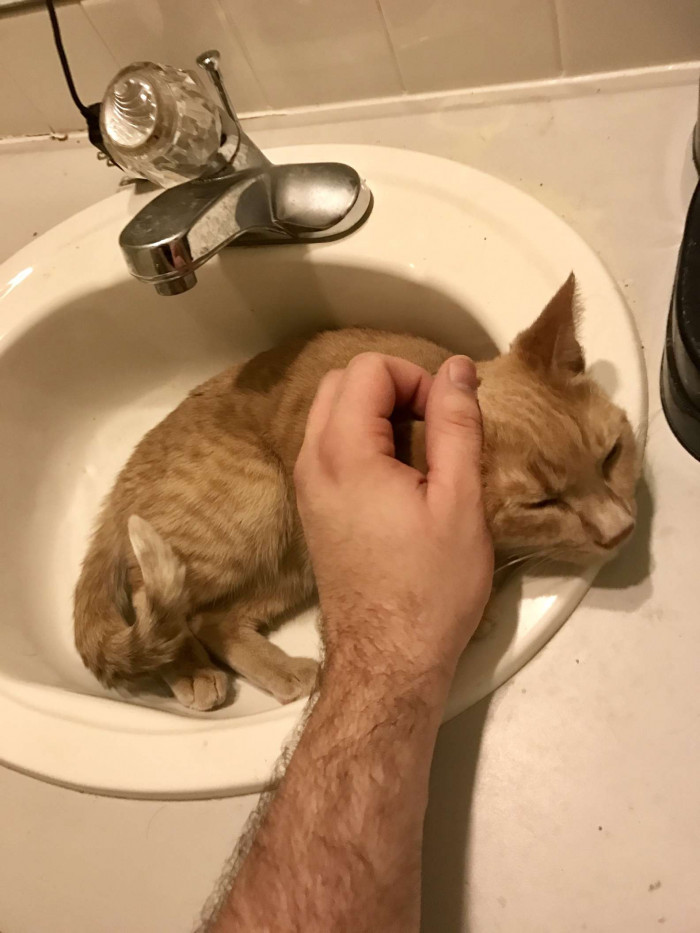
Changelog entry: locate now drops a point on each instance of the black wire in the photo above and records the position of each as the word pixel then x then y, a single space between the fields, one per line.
pixel 64 61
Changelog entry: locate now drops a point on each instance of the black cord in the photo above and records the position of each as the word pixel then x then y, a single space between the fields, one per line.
pixel 90 114
pixel 64 61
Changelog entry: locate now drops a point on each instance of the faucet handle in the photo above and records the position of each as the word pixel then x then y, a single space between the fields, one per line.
pixel 209 62
pixel 310 198
pixel 158 123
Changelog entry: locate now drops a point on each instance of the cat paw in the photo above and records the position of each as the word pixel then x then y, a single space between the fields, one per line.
pixel 297 681
pixel 203 691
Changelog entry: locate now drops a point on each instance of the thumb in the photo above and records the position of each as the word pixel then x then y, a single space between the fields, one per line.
pixel 453 432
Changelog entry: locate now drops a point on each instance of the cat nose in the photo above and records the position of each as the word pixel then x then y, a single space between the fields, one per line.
pixel 615 540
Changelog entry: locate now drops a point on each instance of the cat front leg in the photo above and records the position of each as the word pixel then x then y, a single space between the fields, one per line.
pixel 237 643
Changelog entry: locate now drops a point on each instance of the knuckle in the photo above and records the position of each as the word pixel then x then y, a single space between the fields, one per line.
pixel 369 361
pixel 329 379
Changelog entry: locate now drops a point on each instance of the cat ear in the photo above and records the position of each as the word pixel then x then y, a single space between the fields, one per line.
pixel 550 343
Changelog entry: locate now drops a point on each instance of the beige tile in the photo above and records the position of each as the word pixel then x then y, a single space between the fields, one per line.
pixel 316 51
pixel 27 52
pixel 465 43
pixel 18 116
pixel 605 35
pixel 174 32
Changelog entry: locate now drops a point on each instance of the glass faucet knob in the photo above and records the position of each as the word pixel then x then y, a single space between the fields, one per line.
pixel 157 123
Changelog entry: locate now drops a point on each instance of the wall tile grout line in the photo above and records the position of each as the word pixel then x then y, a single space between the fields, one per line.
pixel 557 14
pixel 98 38
pixel 315 53
pixel 244 49
pixel 29 56
pixel 392 47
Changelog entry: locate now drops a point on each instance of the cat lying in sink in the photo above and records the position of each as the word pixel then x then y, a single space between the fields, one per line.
pixel 199 545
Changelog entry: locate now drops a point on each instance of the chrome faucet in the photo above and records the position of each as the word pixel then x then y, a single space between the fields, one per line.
pixel 237 197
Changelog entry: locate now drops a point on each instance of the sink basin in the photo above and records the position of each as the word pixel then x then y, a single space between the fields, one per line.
pixel 90 359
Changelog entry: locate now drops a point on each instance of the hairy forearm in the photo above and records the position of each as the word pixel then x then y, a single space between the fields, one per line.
pixel 339 846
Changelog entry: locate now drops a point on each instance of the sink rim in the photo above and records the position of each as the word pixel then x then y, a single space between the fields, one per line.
pixel 138 779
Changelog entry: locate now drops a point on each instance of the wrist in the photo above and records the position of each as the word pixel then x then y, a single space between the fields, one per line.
pixel 389 651
pixel 353 716
pixel 373 687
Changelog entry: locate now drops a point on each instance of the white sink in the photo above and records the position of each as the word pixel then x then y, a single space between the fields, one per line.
pixel 90 359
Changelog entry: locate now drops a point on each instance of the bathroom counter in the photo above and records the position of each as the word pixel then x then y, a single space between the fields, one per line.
pixel 569 800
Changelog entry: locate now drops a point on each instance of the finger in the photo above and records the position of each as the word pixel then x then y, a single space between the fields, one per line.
pixel 374 384
pixel 453 432
pixel 372 387
pixel 321 406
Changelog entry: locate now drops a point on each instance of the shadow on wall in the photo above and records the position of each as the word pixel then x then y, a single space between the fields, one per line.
pixel 446 849
pixel 453 777
pixel 625 583
pixel 634 564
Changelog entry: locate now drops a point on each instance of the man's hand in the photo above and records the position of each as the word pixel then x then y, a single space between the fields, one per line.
pixel 403 561
pixel 403 564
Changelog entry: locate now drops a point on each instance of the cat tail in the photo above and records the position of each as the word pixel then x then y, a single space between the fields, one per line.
pixel 113 650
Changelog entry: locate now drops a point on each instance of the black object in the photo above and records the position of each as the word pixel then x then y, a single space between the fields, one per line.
pixel 91 113
pixel 680 367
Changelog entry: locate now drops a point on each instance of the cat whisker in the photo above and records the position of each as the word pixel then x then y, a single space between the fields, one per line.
pixel 540 556
pixel 511 563
pixel 547 558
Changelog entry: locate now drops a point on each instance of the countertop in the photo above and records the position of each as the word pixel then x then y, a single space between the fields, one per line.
pixel 570 799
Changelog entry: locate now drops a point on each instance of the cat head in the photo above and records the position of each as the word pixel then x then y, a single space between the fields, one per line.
pixel 560 458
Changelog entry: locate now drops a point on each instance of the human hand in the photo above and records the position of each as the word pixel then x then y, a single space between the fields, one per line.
pixel 403 561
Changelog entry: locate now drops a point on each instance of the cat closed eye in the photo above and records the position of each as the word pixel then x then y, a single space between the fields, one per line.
pixel 611 457
pixel 543 503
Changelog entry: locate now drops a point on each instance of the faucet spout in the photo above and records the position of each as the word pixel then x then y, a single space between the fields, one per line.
pixel 229 191
pixel 181 228
pixel 185 226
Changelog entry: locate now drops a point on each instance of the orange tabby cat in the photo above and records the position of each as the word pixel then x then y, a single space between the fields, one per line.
pixel 199 545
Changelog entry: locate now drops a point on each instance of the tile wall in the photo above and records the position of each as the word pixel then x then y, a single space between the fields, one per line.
pixel 292 53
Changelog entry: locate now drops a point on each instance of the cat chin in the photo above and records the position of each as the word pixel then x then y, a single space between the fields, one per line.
pixel 588 557
pixel 571 556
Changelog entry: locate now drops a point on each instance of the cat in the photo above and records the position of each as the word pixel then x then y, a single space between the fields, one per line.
pixel 199 545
